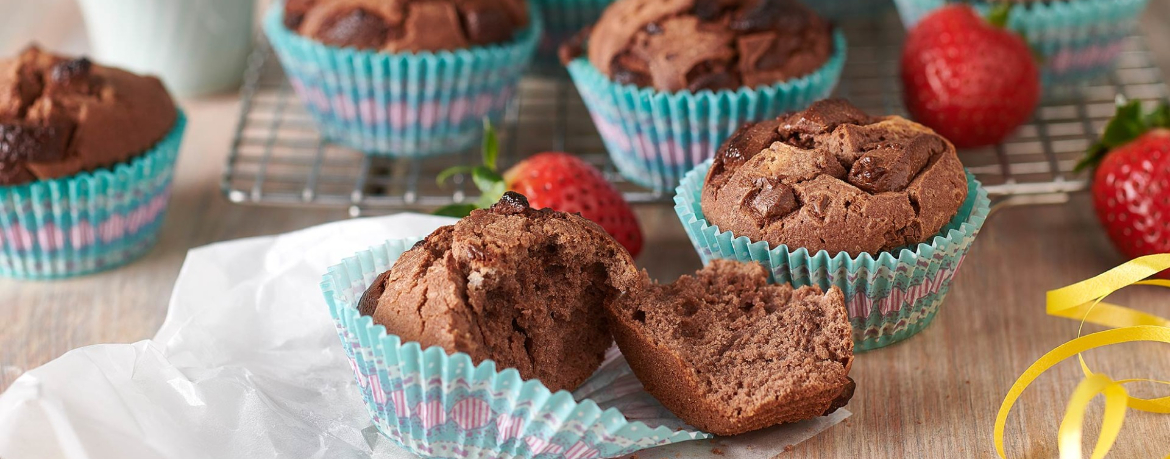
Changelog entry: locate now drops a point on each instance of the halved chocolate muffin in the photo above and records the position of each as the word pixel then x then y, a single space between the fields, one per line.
pixel 729 353
pixel 523 287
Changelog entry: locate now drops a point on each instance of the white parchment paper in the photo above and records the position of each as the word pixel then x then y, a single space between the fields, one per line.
pixel 247 364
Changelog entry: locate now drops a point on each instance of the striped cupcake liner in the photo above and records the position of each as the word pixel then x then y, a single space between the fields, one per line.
pixel 442 405
pixel 655 137
pixel 87 222
pixel 403 104
pixel 1076 39
pixel 890 297
pixel 562 20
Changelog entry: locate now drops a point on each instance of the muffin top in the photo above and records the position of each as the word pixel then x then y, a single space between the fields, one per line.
pixel 60 116
pixel 406 25
pixel 673 45
pixel 836 179
pixel 523 287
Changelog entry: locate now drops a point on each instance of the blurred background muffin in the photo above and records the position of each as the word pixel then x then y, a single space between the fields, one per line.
pixel 404 78
pixel 562 20
pixel 713 44
pixel 666 81
pixel 86 158
pixel 405 25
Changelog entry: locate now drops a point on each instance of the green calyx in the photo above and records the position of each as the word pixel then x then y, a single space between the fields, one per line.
pixel 998 17
pixel 999 14
pixel 1127 125
pixel 485 177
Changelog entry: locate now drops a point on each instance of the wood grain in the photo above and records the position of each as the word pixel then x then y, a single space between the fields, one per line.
pixel 933 396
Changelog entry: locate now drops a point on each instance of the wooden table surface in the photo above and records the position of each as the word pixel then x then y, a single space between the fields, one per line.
pixel 935 395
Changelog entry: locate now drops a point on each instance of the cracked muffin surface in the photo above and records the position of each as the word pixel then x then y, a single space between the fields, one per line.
pixel 407 25
pixel 673 45
pixel 60 116
pixel 834 178
pixel 523 287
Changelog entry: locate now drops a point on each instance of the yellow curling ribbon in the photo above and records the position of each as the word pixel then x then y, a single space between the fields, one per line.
pixel 1082 301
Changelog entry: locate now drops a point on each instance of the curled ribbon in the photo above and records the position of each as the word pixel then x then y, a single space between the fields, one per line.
pixel 1083 301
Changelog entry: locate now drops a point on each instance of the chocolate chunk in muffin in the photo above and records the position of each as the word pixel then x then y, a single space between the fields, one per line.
pixel 60 116
pixel 836 179
pixel 673 45
pixel 407 25
pixel 526 288
pixel 729 353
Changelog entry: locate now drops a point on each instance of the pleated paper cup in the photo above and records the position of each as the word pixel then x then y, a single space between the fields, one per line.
pixel 442 405
pixel 1077 40
pixel 890 295
pixel 562 20
pixel 402 104
pixel 655 137
pixel 90 221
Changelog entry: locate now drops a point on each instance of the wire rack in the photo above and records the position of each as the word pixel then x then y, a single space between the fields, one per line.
pixel 278 158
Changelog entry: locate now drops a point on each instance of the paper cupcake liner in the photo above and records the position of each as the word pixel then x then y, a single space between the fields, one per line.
pixel 90 221
pixel 890 297
pixel 1076 39
pixel 655 137
pixel 441 405
pixel 404 104
pixel 849 9
pixel 562 20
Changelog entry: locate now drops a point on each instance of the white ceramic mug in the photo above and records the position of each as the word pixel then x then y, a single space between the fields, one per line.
pixel 195 46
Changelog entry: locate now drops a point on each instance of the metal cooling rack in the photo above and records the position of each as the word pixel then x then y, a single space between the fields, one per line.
pixel 278 158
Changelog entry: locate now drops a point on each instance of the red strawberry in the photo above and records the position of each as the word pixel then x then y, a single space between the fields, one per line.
pixel 564 182
pixel 1131 186
pixel 559 181
pixel 970 80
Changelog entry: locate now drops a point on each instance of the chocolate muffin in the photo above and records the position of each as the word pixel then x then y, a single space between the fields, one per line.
pixel 673 45
pixel 407 25
pixel 60 116
pixel 526 288
pixel 728 353
pixel 836 179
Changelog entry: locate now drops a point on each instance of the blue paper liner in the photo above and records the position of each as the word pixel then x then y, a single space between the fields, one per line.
pixel 890 295
pixel 88 222
pixel 442 405
pixel 401 104
pixel 1077 39
pixel 562 20
pixel 655 137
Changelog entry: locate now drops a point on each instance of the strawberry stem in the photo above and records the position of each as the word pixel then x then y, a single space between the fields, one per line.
pixel 490 183
pixel 1128 124
pixel 491 144
pixel 999 14
pixel 455 210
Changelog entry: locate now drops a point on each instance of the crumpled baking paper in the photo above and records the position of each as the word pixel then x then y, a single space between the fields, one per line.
pixel 248 364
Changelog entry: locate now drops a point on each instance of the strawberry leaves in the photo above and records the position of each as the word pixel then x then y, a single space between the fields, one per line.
pixel 485 176
pixel 999 14
pixel 1128 124
pixel 456 210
